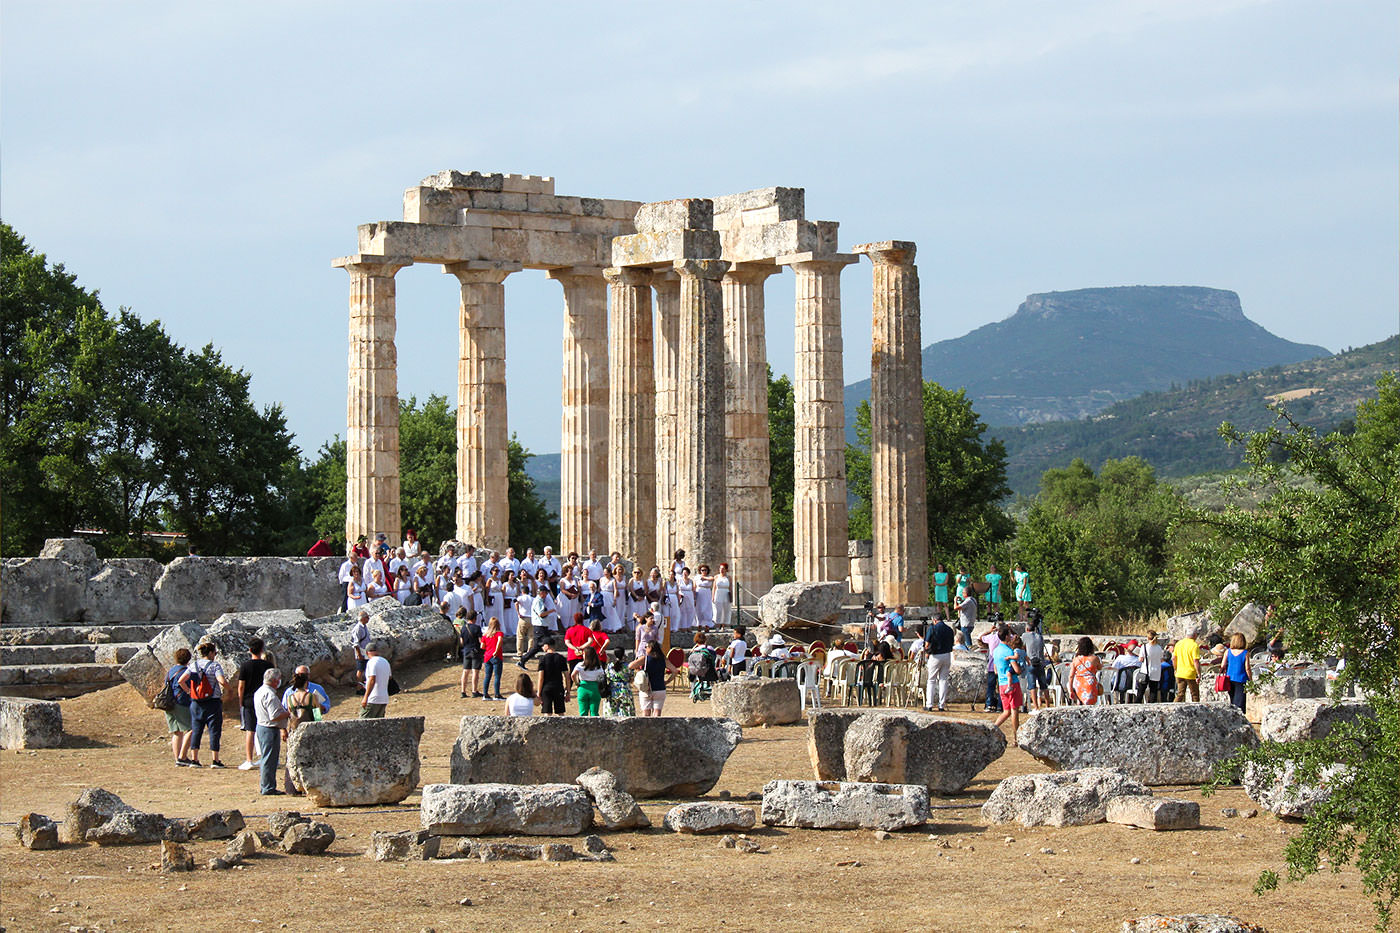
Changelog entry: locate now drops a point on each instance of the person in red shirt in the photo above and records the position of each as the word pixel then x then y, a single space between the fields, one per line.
pixel 577 638
pixel 598 638
pixel 491 657
pixel 320 549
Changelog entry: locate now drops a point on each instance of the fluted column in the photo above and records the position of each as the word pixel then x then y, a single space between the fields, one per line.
pixel 583 459
pixel 372 400
pixel 631 462
pixel 701 524
pixel 749 497
pixel 667 356
pixel 483 505
pixel 819 514
pixel 899 489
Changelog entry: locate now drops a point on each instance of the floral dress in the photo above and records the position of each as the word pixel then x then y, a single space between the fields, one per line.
pixel 620 703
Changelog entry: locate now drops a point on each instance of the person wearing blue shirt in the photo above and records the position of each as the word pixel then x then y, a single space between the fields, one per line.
pixel 316 690
pixel 1008 672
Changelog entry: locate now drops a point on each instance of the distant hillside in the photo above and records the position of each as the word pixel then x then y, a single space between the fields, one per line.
pixel 1176 431
pixel 544 470
pixel 1068 355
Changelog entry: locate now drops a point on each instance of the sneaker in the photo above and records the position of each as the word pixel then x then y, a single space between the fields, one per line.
pixel 273 793
pixel 464 696
pixel 219 764
pixel 247 766
pixel 182 763
pixel 478 696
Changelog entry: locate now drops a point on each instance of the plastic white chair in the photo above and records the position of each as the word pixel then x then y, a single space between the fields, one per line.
pixel 809 676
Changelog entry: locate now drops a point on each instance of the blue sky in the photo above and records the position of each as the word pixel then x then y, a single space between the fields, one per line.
pixel 202 163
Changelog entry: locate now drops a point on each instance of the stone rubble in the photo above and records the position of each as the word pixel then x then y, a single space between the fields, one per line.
pixel 618 808
pixel 1062 798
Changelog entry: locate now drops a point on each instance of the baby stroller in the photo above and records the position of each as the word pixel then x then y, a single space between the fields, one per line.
pixel 703 673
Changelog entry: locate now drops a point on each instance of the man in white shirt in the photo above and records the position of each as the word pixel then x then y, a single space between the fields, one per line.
pixel 593 567
pixel 468 563
pixel 344 576
pixel 528 564
pixel 509 564
pixel 491 562
pixel 551 564
pixel 398 560
pixel 377 675
pixel 271 717
pixel 448 561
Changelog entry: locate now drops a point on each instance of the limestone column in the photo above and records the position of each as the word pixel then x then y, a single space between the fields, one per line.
pixel 483 505
pixel 899 490
pixel 749 497
pixel 667 356
pixel 372 400
pixel 583 461
pixel 819 514
pixel 701 523
pixel 631 462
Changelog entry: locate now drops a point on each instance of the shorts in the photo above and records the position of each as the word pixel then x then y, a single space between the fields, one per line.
pixel 373 710
pixel 360 664
pixel 247 718
pixel 471 662
pixel 177 719
pixel 551 701
pixel 1011 697
pixel 1040 675
pixel 651 699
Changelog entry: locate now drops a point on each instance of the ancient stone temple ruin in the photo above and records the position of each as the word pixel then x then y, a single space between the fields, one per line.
pixel 665 402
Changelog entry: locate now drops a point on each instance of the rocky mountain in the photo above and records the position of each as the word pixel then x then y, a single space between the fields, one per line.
pixel 1176 430
pixel 1069 355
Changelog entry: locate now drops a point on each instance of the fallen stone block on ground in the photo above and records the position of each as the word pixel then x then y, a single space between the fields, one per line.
pixel 1158 813
pixel 758 701
pixel 660 757
pixel 1062 798
pixel 617 807
pixel 356 762
pixel 505 809
pixel 943 755
pixel 1155 743
pixel 408 846
pixel 705 817
pixel 844 805
pixel 26 723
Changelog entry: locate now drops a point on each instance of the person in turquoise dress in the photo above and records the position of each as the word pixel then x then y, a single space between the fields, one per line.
pixel 993 587
pixel 1023 588
pixel 964 581
pixel 940 587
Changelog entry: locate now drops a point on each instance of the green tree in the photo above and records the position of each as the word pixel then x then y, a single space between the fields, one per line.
pixel 966 477
pixel 1098 546
pixel 427 468
pixel 108 422
pixel 1324 553
pixel 781 440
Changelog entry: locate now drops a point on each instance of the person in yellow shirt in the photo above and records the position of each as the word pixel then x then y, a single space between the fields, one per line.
pixel 1186 660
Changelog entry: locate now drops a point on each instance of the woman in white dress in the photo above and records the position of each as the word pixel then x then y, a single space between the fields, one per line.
pixel 376 586
pixel 403 585
pixel 722 597
pixel 612 620
pixel 704 599
pixel 510 623
pixel 685 590
pixel 411 547
pixel 673 603
pixel 678 563
pixel 656 591
pixel 355 589
pixel 636 599
pixel 568 597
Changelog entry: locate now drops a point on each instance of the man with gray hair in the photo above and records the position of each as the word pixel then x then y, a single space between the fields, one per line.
pixel 271 718
pixel 377 675
pixel 359 638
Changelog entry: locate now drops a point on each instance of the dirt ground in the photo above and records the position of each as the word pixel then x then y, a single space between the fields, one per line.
pixel 953 875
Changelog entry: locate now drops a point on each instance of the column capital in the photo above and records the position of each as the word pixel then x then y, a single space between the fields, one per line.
pixel 828 262
pixel 628 275
pixel 701 268
pixel 372 265
pixel 477 272
pixel 751 273
pixel 894 252
pixel 566 273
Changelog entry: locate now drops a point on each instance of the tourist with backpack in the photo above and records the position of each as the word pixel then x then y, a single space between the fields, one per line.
pixel 205 682
pixel 176 703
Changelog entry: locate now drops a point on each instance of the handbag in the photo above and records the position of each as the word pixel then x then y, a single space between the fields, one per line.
pixel 605 688
pixel 1222 683
pixel 165 697
pixel 641 681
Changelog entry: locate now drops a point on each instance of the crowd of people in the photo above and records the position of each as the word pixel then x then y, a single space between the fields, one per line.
pixel 506 587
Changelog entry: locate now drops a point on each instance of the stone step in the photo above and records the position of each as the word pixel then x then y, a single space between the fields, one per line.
pixel 48 681
pixel 43 655
pixel 127 632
